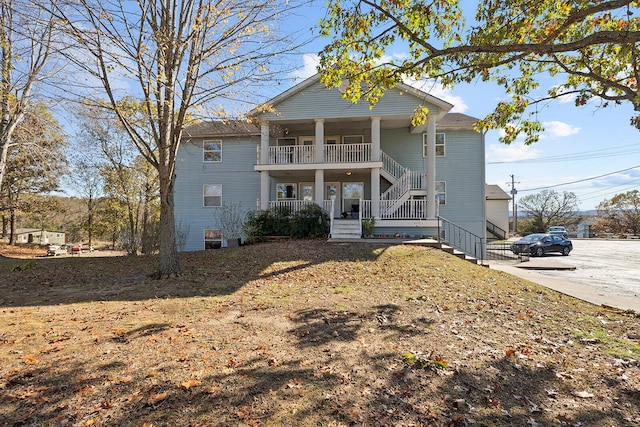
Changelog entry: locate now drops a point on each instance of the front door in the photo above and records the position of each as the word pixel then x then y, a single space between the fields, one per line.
pixel 332 189
pixel 352 193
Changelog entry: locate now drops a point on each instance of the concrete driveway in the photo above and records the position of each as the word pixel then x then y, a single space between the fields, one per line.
pixel 605 272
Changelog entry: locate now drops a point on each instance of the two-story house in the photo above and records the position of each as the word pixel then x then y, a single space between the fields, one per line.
pixel 312 146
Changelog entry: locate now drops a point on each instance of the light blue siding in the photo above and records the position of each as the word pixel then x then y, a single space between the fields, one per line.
pixel 240 184
pixel 316 101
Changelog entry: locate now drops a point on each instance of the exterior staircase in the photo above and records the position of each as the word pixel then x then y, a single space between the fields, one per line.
pixel 446 248
pixel 346 229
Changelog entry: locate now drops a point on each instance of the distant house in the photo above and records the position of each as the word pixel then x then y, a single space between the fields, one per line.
pixel 39 236
pixel 497 211
pixel 313 147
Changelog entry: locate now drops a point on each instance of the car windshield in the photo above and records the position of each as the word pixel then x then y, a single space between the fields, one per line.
pixel 556 229
pixel 532 237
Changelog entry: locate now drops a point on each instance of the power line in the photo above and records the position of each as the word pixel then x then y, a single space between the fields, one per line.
pixel 584 155
pixel 581 180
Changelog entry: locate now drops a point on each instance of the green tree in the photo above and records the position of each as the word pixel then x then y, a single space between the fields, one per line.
pixel 126 177
pixel 26 45
pixel 592 45
pixel 35 163
pixel 545 209
pixel 177 57
pixel 621 213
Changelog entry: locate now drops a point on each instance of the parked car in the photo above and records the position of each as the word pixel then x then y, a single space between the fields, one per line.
pixel 540 244
pixel 559 230
pixel 54 250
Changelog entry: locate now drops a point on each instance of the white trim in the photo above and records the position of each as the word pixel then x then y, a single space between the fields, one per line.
pixel 205 151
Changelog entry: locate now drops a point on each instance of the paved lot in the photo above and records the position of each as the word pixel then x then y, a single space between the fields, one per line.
pixel 611 265
pixel 606 272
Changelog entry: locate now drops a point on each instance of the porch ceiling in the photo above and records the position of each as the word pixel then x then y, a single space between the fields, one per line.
pixel 298 126
pixel 329 175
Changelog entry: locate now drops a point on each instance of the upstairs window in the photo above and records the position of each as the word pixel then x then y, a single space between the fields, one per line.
pixel 440 145
pixel 441 192
pixel 212 151
pixel 212 195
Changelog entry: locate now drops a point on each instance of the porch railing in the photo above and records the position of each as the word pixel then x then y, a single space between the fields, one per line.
pixel 305 154
pixel 389 209
pixel 347 153
pixel 409 209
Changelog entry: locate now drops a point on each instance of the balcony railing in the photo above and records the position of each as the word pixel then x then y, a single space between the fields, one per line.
pixel 305 154
pixel 389 209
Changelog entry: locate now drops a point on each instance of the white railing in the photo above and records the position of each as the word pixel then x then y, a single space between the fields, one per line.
pixel 392 167
pixel 365 208
pixel 291 154
pixel 398 189
pixel 292 205
pixel 409 209
pixel 347 153
pixel 418 181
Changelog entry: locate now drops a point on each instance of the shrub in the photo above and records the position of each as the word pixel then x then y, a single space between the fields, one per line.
pixel 271 222
pixel 311 221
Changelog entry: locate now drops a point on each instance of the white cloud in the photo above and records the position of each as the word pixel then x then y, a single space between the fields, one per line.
pixel 309 67
pixel 511 153
pixel 437 90
pixel 556 129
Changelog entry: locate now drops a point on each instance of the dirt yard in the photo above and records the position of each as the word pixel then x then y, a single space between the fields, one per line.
pixel 306 333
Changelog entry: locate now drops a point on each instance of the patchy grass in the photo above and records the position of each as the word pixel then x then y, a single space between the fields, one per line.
pixel 306 333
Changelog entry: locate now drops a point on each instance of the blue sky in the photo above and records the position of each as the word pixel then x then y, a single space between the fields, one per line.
pixel 590 151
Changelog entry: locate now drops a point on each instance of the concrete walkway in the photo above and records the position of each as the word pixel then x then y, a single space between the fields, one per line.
pixel 529 270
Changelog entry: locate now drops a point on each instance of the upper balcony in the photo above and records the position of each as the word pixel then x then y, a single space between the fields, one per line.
pixel 332 154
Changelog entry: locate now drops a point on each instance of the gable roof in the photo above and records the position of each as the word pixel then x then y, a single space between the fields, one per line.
pixel 444 106
pixel 456 121
pixel 220 128
pixel 494 192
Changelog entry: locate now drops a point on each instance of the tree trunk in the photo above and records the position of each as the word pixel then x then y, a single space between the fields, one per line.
pixel 12 222
pixel 168 262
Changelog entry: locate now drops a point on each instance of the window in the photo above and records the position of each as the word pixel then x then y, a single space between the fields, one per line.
pixel 212 195
pixel 212 239
pixel 212 151
pixel 307 191
pixel 282 142
pixel 352 139
pixel 439 145
pixel 287 191
pixel 441 192
pixel 332 140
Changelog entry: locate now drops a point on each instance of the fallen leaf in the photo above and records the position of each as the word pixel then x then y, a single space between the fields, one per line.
pixel 156 398
pixel 191 383
pixel 30 360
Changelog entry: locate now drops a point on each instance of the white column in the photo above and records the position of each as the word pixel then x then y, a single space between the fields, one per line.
pixel 432 211
pixel 264 190
pixel 375 139
pixel 375 192
pixel 264 143
pixel 319 149
pixel 319 187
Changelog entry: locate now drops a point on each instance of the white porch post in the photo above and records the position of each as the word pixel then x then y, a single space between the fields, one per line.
pixel 319 188
pixel 375 192
pixel 432 211
pixel 319 149
pixel 375 139
pixel 264 190
pixel 264 142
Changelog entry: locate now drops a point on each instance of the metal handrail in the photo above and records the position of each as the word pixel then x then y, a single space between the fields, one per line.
pixel 459 238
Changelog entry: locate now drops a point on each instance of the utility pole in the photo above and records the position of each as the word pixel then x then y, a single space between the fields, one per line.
pixel 513 203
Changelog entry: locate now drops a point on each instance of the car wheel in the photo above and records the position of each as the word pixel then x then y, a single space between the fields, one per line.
pixel 566 250
pixel 539 251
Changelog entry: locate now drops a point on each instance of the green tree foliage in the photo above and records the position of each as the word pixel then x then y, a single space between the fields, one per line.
pixel 125 175
pixel 620 214
pixel 26 45
pixel 591 45
pixel 35 163
pixel 546 209
pixel 178 57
